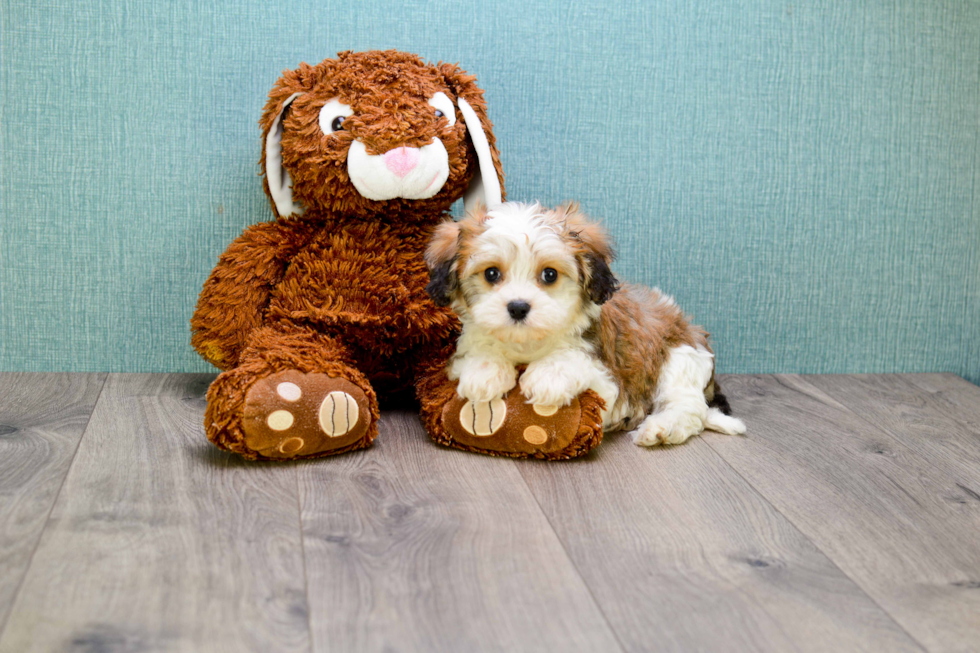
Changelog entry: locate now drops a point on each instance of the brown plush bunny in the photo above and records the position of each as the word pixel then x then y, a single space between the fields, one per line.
pixel 313 314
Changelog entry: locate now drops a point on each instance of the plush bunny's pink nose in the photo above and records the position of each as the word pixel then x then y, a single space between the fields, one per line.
pixel 401 160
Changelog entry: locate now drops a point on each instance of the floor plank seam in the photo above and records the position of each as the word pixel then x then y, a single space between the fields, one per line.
pixel 571 561
pixel 894 437
pixel 47 518
pixel 816 546
pixel 954 417
pixel 302 553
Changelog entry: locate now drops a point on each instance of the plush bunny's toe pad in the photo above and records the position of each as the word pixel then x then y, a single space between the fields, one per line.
pixel 512 427
pixel 295 415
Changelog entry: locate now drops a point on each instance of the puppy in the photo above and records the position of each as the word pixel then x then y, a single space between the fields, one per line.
pixel 532 287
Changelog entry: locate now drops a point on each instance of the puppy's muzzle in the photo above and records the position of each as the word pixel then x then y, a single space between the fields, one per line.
pixel 518 309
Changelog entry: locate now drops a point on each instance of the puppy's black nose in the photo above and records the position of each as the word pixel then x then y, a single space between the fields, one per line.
pixel 518 309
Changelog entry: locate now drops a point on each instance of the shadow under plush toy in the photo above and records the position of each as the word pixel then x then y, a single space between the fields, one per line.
pixel 316 313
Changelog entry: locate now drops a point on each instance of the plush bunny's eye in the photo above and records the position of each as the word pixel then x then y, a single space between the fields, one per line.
pixel 444 107
pixel 332 116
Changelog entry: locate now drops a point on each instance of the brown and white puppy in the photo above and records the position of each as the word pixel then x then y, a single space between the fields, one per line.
pixel 532 286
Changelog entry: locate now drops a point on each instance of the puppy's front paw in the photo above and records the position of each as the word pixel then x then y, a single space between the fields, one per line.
pixel 486 381
pixel 551 384
pixel 667 427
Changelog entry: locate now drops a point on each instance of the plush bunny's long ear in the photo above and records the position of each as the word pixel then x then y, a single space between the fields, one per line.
pixel 280 183
pixel 485 187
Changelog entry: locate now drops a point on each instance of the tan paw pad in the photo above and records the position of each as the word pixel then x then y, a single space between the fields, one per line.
pixel 338 413
pixel 535 435
pixel 280 420
pixel 292 445
pixel 484 418
pixel 545 410
pixel 289 391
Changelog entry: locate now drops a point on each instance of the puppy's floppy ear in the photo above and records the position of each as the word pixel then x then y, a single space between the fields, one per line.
pixel 278 184
pixel 487 184
pixel 440 257
pixel 602 282
pixel 595 248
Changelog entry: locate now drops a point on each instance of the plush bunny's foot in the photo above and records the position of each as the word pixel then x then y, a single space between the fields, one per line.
pixel 267 415
pixel 508 426
pixel 295 415
pixel 512 427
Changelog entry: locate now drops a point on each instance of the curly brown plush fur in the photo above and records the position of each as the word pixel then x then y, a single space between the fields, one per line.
pixel 330 300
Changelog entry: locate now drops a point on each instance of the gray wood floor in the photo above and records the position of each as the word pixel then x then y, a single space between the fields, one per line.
pixel 847 519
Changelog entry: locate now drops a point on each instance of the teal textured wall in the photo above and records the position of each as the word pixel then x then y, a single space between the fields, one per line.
pixel 803 176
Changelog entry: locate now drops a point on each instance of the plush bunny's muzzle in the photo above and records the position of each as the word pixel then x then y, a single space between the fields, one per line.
pixel 412 173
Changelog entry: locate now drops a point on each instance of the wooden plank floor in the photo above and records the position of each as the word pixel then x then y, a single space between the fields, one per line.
pixel 848 519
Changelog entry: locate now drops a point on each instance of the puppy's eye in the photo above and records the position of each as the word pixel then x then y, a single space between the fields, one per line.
pixel 444 107
pixel 492 275
pixel 549 275
pixel 332 116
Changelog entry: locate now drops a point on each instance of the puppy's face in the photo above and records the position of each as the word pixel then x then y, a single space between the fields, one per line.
pixel 521 273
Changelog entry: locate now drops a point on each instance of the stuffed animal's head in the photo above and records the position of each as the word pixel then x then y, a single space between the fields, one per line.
pixel 377 132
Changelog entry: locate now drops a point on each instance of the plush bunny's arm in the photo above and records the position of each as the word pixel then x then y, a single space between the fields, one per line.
pixel 236 294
